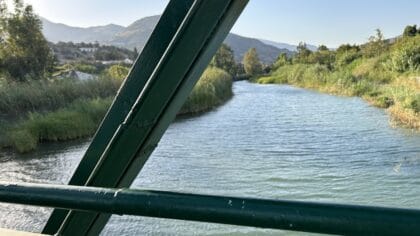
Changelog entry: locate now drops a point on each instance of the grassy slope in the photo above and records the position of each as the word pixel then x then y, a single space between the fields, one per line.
pixel 366 78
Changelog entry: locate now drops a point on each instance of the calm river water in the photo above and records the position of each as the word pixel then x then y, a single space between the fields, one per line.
pixel 269 141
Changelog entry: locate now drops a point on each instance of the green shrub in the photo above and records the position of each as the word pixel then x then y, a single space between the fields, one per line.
pixel 405 55
pixel 23 140
pixel 383 101
pixel 347 57
pixel 213 88
pixel 78 120
pixel 86 68
pixel 413 103
pixel 82 117
pixel 18 99
pixel 118 72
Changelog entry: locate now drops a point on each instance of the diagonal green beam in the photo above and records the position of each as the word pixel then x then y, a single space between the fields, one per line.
pixel 150 56
pixel 202 32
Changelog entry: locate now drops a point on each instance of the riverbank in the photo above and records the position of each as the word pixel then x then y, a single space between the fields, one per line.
pixel 385 74
pixel 400 96
pixel 72 110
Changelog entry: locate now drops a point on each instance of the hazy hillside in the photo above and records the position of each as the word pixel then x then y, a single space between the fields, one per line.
pixel 56 32
pixel 240 45
pixel 136 35
pixel 286 45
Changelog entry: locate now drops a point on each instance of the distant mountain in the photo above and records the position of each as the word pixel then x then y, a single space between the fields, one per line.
pixel 287 46
pixel 137 34
pixel 240 45
pixel 56 32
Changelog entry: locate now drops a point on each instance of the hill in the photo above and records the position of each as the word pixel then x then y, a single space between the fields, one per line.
pixel 287 46
pixel 56 32
pixel 137 33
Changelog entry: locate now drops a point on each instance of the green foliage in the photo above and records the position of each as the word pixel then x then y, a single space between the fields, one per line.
pixel 42 96
pixel 302 55
pixel 65 110
pixel 323 56
pixel 88 52
pixel 344 58
pixel 347 47
pixel 118 72
pixel 251 63
pixel 78 120
pixel 23 141
pixel 282 60
pixel 376 45
pixel 18 30
pixel 365 77
pixel 410 31
pixel 384 72
pixel 413 103
pixel 225 60
pixel 405 54
pixel 213 89
pixel 108 53
pixel 86 68
pixel 323 48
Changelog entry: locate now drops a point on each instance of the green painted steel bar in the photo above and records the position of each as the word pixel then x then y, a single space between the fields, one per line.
pixel 225 24
pixel 149 58
pixel 202 32
pixel 275 214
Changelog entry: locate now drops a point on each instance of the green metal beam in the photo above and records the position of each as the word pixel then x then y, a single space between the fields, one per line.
pixel 201 33
pixel 275 214
pixel 149 58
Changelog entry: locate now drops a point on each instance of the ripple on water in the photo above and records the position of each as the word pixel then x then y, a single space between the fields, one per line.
pixel 269 141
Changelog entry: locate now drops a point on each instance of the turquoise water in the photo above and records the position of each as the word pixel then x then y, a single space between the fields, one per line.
pixel 269 141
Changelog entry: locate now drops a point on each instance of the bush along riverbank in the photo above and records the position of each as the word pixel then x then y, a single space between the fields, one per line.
pixel 384 73
pixel 213 89
pixel 70 110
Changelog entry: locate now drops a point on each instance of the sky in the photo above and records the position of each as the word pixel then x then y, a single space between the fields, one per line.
pixel 328 22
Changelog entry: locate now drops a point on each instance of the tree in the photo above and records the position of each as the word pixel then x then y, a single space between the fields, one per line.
pixel 323 56
pixel 346 53
pixel 251 62
pixel 410 31
pixel 282 60
pixel 118 72
pixel 405 55
pixel 375 46
pixel 346 48
pixel 225 60
pixel 24 52
pixel 3 12
pixel 323 48
pixel 303 53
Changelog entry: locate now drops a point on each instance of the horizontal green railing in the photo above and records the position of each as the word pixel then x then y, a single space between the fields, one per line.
pixel 275 214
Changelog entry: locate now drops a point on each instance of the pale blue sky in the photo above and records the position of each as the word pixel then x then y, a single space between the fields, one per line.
pixel 330 22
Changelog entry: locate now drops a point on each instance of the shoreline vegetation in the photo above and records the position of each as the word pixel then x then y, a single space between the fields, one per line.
pixel 68 110
pixel 385 73
pixel 61 91
pixel 57 92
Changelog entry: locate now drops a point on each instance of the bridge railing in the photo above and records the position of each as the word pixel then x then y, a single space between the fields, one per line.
pixel 274 214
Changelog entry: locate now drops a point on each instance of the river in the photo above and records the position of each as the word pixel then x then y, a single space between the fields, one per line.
pixel 269 141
